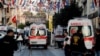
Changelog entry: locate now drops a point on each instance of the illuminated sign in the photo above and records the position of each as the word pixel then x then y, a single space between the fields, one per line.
pixel 79 23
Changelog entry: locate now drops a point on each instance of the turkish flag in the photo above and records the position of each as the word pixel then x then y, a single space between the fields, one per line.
pixel 13 2
pixel 97 2
pixel 14 19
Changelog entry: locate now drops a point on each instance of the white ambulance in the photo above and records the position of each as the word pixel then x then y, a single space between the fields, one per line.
pixel 38 35
pixel 58 33
pixel 86 27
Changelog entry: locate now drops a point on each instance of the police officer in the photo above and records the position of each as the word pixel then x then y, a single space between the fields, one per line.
pixel 66 45
pixel 8 44
pixel 97 45
pixel 77 44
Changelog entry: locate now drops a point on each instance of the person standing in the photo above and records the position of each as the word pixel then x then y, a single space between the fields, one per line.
pixel 77 44
pixel 26 34
pixel 97 44
pixel 20 40
pixel 66 45
pixel 8 44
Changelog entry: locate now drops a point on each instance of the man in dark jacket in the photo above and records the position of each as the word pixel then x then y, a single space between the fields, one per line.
pixel 7 44
pixel 77 44
pixel 97 45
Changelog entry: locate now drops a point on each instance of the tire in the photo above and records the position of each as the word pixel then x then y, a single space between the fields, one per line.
pixel 90 53
pixel 45 47
pixel 29 47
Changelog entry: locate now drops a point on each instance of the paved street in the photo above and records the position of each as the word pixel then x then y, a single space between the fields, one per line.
pixel 39 52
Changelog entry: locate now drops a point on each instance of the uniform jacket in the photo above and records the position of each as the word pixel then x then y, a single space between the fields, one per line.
pixel 7 46
pixel 97 45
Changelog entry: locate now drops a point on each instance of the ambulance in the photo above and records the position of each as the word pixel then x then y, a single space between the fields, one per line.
pixel 58 33
pixel 86 26
pixel 38 35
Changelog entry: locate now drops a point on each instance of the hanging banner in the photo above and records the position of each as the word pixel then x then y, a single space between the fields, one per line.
pixel 50 23
pixel 7 1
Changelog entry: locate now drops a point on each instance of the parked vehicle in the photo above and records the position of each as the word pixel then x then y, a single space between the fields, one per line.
pixel 38 35
pixel 86 27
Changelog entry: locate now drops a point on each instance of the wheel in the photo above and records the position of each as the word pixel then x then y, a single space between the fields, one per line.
pixel 45 47
pixel 90 53
pixel 29 47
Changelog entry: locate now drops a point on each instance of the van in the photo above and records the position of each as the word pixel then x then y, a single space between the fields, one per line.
pixel 86 26
pixel 37 35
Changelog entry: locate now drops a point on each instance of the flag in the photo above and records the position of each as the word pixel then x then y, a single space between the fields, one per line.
pixel 93 5
pixel 16 2
pixel 29 9
pixel 30 1
pixel 58 5
pixel 14 19
pixel 27 3
pixel 13 2
pixel 51 5
pixel 33 8
pixel 44 9
pixel 21 2
pixel 24 8
pixel 63 2
pixel 97 2
pixel 40 4
pixel 67 2
pixel 88 6
pixel 91 8
pixel 48 1
pixel 54 6
pixel 47 4
pixel 0 0
pixel 36 9
pixel 24 2
pixel 44 1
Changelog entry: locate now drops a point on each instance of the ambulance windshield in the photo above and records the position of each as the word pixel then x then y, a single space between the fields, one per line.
pixel 86 30
pixel 38 32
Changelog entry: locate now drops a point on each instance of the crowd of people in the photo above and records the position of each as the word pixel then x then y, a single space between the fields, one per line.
pixel 75 45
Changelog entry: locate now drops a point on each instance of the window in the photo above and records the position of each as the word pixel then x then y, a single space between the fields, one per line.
pixel 38 32
pixel 33 32
pixel 86 30
pixel 73 30
pixel 42 32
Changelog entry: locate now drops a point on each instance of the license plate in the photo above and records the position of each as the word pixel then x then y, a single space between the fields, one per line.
pixel 34 42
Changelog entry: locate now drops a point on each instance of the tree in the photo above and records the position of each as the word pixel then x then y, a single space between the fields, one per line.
pixel 28 14
pixel 41 14
pixel 28 23
pixel 21 26
pixel 69 12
